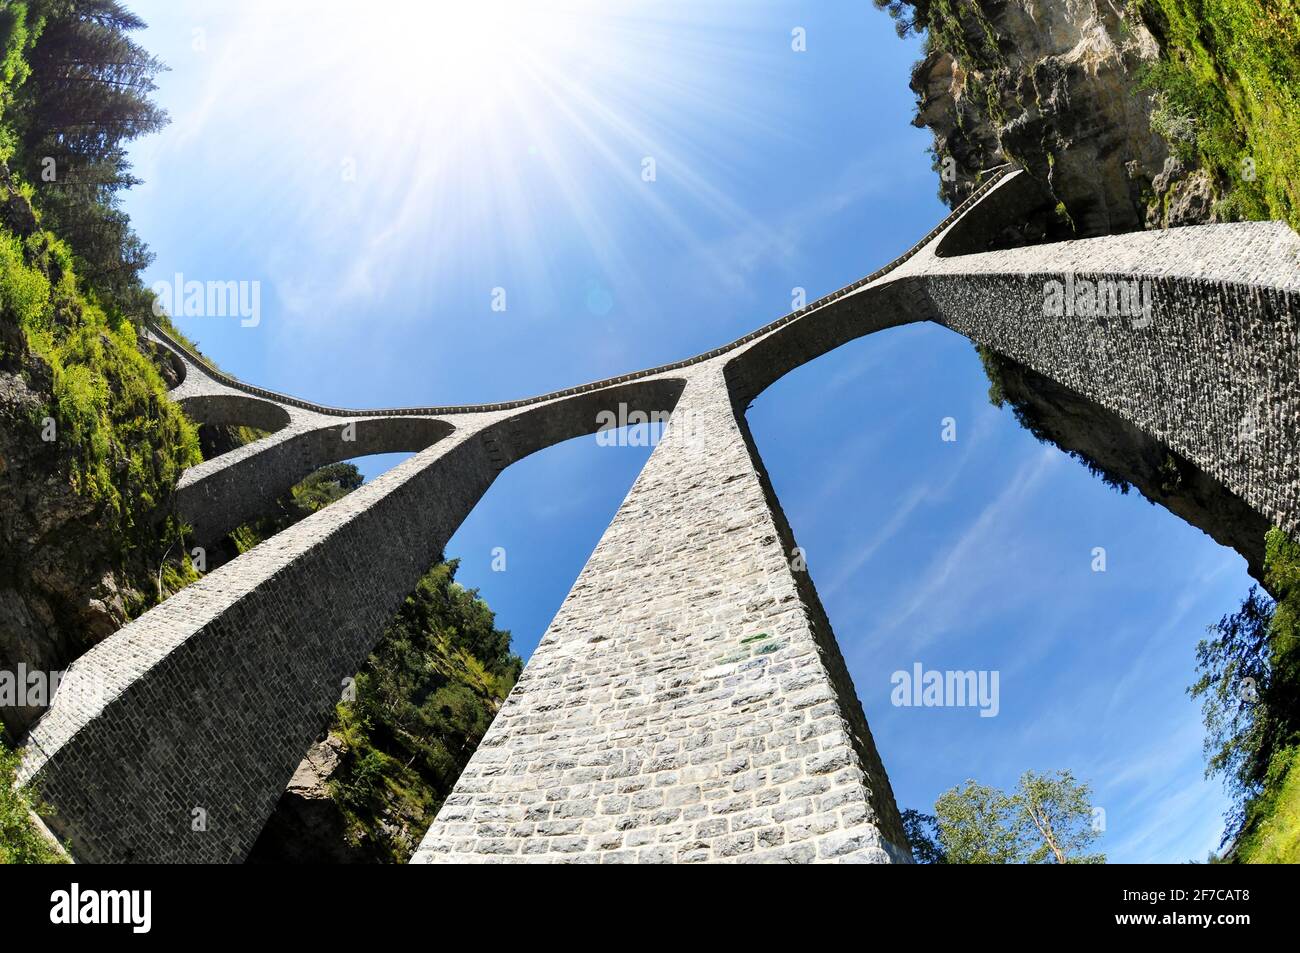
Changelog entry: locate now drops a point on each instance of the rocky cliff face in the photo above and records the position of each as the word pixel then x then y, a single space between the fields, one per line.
pixel 58 592
pixel 85 478
pixel 307 826
pixel 65 581
pixel 1057 87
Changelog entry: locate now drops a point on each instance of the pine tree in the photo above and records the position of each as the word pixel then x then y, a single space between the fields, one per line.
pixel 87 95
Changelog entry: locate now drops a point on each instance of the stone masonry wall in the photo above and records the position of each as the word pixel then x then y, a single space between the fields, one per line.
pixel 1212 371
pixel 680 707
pixel 208 702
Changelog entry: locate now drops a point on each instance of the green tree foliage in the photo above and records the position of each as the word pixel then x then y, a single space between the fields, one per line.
pixel 20 840
pixel 910 16
pixel 976 826
pixel 1248 676
pixel 1046 819
pixel 423 702
pixel 1234 667
pixel 87 96
pixel 14 40
pixel 922 832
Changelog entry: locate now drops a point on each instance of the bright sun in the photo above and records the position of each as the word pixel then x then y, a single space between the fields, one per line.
pixel 474 126
pixel 472 53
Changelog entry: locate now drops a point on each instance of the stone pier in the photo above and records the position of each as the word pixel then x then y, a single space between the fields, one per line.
pixel 688 703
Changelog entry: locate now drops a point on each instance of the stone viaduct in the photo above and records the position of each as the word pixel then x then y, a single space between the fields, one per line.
pixel 689 701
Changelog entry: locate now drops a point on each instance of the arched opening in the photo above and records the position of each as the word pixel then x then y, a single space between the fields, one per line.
pixel 249 482
pixel 990 553
pixel 235 410
pixel 518 547
pixel 995 220
pixel 227 421
pixel 176 370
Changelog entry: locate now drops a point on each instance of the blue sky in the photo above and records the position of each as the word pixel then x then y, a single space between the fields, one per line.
pixel 381 175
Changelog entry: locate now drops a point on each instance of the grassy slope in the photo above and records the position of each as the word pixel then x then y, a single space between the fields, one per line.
pixel 1273 819
pixel 1229 80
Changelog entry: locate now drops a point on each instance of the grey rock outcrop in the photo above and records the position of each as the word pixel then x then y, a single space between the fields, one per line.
pixel 1054 87
pixel 307 825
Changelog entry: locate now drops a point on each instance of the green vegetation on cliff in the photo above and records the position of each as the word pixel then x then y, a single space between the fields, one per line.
pixel 1228 88
pixel 107 410
pixel 21 842
pixel 1249 687
pixel 72 339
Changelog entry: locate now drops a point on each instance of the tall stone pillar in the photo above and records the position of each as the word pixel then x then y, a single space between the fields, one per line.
pixel 688 702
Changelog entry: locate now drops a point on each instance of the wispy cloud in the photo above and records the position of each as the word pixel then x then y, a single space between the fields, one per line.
pixel 1158 808
pixel 952 585
pixel 1138 669
pixel 920 494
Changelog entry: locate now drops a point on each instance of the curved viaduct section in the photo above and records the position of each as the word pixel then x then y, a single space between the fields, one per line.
pixel 688 702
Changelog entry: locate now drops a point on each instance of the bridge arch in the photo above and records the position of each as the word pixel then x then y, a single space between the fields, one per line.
pixel 245 484
pixel 281 626
pixel 235 409
pixel 192 686
pixel 980 610
pixel 1213 353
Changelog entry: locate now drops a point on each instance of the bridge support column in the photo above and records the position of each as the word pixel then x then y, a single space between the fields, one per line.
pixel 688 702
pixel 173 739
